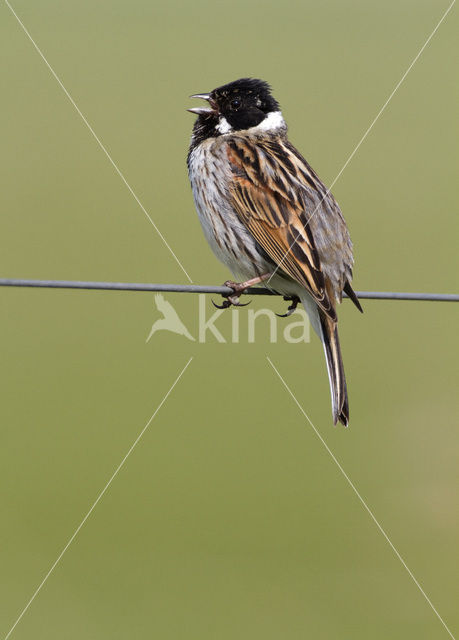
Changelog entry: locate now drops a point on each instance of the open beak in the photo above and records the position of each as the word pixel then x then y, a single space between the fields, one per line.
pixel 202 111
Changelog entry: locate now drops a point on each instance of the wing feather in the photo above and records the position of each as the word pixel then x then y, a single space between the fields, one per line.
pixel 268 194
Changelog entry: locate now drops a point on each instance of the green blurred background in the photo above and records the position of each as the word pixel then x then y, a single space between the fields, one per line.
pixel 229 519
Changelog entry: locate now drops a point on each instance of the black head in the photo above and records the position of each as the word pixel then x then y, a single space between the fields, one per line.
pixel 237 106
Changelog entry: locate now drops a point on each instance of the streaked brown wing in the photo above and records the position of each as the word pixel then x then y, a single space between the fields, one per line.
pixel 268 196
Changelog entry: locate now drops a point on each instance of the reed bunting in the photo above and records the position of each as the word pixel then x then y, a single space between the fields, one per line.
pixel 266 214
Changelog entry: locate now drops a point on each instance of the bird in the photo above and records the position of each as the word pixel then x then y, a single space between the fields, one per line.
pixel 170 320
pixel 267 215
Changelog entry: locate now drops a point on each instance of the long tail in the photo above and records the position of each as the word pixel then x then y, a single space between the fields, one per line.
pixel 338 388
pixel 327 330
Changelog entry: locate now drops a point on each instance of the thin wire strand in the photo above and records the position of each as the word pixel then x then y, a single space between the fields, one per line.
pixel 97 139
pixel 362 501
pixel 95 503
pixel 222 290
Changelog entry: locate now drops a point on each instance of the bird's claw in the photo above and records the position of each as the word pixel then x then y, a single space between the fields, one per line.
pixel 232 299
pixel 294 300
pixel 225 305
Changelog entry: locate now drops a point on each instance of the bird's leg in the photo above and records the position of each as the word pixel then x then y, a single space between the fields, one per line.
pixel 238 288
pixel 294 300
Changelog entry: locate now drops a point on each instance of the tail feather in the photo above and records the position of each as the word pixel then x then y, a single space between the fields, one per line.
pixel 338 388
pixel 353 296
pixel 327 330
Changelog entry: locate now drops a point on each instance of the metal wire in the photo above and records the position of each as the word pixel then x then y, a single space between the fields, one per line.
pixel 184 288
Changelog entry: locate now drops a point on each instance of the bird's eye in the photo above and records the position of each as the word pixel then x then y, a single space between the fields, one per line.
pixel 235 104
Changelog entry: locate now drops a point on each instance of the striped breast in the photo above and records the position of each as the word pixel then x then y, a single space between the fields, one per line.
pixel 210 174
